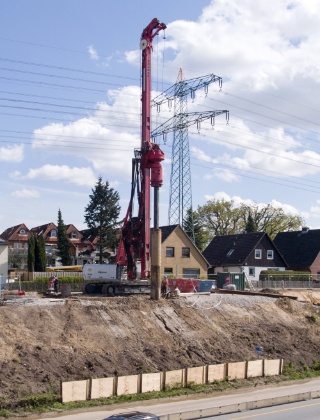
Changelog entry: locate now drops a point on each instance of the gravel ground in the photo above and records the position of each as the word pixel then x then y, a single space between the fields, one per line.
pixel 214 300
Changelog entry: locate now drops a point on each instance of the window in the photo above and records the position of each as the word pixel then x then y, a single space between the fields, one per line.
pixel 258 254
pixel 168 271
pixel 17 245
pixel 74 235
pixel 169 251
pixel 22 232
pixel 230 252
pixel 191 273
pixel 186 252
pixel 53 233
pixel 252 271
pixel 270 254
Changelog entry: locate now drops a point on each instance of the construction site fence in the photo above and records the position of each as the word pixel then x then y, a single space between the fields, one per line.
pixel 286 284
pixel 90 389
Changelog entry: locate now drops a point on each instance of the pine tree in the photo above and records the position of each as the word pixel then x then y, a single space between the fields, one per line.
pixel 251 226
pixel 63 242
pixel 39 254
pixel 101 217
pixel 31 252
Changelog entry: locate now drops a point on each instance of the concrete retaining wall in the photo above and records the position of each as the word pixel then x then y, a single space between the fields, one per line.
pixel 272 367
pixel 196 375
pixel 217 372
pixel 75 391
pixel 102 388
pixel 175 379
pixel 160 381
pixel 128 385
pixel 237 370
pixel 151 382
pixel 254 368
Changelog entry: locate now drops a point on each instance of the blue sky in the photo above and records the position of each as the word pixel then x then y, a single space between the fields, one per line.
pixel 70 102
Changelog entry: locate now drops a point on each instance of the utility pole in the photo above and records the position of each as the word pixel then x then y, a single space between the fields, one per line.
pixel 180 201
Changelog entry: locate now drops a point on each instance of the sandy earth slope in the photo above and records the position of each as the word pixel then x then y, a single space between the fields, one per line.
pixel 43 341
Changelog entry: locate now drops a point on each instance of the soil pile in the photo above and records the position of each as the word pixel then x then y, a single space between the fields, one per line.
pixel 44 341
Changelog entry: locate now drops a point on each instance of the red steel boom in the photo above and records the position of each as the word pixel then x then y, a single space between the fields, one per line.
pixel 146 172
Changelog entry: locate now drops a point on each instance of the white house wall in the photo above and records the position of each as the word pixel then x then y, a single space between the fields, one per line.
pixel 4 261
pixel 245 269
pixel 258 271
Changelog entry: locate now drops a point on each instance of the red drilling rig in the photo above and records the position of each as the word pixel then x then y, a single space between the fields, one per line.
pixel 146 173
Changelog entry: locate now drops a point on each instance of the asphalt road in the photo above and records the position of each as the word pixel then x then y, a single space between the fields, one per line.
pixel 296 411
pixel 178 405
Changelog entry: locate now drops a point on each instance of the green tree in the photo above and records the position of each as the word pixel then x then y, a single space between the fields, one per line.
pixel 201 237
pixel 40 260
pixel 63 245
pixel 101 218
pixel 221 217
pixel 17 258
pixel 272 220
pixel 31 252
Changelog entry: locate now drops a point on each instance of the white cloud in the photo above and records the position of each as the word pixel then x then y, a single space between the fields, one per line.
pixel 133 57
pixel 270 41
pixel 92 53
pixel 26 193
pixel 226 175
pixel 106 139
pixel 11 154
pixel 78 176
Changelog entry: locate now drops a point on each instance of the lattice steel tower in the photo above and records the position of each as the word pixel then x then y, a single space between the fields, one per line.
pixel 180 202
pixel 180 180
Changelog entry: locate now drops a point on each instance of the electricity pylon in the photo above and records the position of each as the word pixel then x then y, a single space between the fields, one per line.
pixel 180 201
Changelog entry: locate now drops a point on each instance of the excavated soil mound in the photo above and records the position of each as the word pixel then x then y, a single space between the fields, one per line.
pixel 44 341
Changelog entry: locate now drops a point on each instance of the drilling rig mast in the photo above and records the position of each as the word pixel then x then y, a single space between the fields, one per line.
pixel 146 172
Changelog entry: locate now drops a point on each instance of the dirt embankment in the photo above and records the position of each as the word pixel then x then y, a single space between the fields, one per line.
pixel 43 341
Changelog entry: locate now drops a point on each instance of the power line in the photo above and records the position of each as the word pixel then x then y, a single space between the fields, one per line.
pixel 29 63
pixel 222 168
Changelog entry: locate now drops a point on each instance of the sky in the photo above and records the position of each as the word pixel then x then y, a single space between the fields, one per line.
pixel 70 102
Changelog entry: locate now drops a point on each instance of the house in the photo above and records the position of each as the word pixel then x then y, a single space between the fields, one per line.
pixel 80 248
pixel 300 249
pixel 248 252
pixel 4 266
pixel 16 238
pixel 180 256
